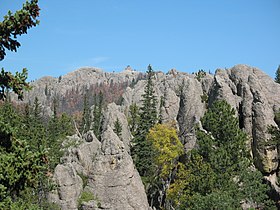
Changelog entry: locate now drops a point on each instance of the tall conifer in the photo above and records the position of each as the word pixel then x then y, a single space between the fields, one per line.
pixel 86 114
pixel 142 150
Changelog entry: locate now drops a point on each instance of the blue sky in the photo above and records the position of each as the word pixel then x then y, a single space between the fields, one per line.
pixel 184 34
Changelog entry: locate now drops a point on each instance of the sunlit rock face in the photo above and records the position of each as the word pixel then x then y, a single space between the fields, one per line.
pixel 107 164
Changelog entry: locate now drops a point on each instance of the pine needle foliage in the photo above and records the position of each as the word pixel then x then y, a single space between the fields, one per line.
pixel 277 75
pixel 219 174
pixel 11 27
pixel 142 150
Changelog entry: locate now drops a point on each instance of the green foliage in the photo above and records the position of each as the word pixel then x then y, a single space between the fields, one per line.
pixel 20 166
pixel 86 196
pixel 12 26
pixel 46 90
pixel 86 114
pixel 118 128
pixel 57 129
pixel 134 118
pixel 84 178
pixel 161 107
pixel 277 75
pixel 142 150
pixel 200 74
pixel 17 83
pixel 218 174
pixel 97 115
pixel 17 24
pixel 133 83
pixel 277 118
pixel 275 136
pixel 29 150
pixel 225 148
pixel 195 176
pixel 148 111
pixel 204 98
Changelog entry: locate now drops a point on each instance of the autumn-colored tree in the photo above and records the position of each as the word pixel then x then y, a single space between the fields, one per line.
pixel 168 148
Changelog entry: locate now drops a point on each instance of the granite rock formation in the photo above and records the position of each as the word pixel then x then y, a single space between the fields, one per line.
pixel 111 175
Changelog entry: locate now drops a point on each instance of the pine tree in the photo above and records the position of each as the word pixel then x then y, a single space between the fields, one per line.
pixel 134 118
pixel 20 165
pixel 118 128
pixel 218 173
pixel 161 107
pixel 142 150
pixel 12 26
pixel 277 75
pixel 148 111
pixel 97 115
pixel 86 114
pixel 38 131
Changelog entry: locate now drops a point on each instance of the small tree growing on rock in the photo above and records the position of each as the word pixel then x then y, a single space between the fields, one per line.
pixel 277 75
pixel 118 128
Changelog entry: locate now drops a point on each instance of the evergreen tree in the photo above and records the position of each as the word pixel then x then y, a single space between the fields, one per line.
pixel 142 150
pixel 20 166
pixel 12 26
pixel 148 111
pixel 58 128
pixel 118 128
pixel 161 107
pixel 134 118
pixel 37 131
pixel 218 174
pixel 86 114
pixel 97 115
pixel 277 75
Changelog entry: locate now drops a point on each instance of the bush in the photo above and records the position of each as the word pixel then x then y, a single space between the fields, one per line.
pixel 86 196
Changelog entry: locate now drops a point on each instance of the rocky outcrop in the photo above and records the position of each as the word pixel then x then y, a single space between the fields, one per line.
pixel 114 180
pixel 111 115
pixel 75 165
pixel 104 170
pixel 69 187
pixel 69 89
pixel 107 166
pixel 190 111
pixel 254 95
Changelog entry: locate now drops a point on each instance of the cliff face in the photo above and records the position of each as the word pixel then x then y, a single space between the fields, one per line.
pixel 107 165
pixel 69 89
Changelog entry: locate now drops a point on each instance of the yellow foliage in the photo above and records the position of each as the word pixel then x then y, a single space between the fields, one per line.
pixel 167 146
pixel 178 191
